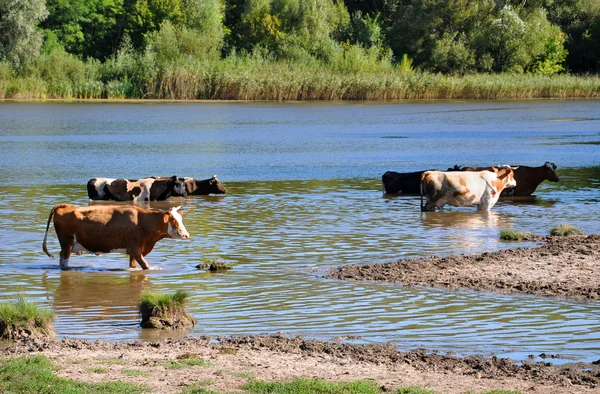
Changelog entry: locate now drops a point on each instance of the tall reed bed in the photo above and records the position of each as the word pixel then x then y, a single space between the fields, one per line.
pixel 255 78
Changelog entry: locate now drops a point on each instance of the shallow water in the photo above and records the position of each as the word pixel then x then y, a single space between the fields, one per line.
pixel 304 195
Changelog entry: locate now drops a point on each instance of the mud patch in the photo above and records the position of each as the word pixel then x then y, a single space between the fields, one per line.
pixel 564 267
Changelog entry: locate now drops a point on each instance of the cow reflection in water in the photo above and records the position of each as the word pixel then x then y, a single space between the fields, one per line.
pixel 100 296
pixel 465 230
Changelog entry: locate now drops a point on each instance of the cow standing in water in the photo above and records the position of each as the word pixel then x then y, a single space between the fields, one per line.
pixel 481 188
pixel 118 228
pixel 527 178
pixel 198 187
pixel 147 189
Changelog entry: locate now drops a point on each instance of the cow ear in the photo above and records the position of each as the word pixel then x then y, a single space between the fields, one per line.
pixel 166 218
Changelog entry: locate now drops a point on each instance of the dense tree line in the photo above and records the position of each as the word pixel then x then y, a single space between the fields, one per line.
pixel 137 42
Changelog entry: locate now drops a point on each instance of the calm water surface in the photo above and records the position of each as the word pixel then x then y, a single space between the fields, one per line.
pixel 304 195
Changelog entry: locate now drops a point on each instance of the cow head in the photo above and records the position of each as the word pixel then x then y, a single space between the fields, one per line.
pixel 507 172
pixel 549 171
pixel 216 187
pixel 178 187
pixel 176 228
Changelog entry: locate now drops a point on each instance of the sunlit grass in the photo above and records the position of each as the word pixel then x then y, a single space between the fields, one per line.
pixel 510 234
pixel 24 315
pixel 566 229
pixel 34 374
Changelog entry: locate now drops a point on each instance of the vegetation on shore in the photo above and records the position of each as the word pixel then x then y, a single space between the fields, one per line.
pixel 510 234
pixel 165 311
pixel 563 230
pixel 21 318
pixel 299 49
pixel 34 374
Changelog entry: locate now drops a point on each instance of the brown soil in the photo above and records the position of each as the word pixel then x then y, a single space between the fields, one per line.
pixel 565 267
pixel 560 267
pixel 232 362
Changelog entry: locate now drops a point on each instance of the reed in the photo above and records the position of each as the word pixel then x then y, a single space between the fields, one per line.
pixel 252 77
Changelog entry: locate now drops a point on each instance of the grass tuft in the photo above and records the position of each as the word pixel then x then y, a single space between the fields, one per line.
pixel 566 229
pixel 510 234
pixel 165 311
pixel 21 317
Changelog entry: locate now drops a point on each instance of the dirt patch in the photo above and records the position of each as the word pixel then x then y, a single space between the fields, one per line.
pixel 565 267
pixel 233 361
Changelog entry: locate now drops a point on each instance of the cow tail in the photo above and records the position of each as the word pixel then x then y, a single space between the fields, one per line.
pixel 421 188
pixel 44 248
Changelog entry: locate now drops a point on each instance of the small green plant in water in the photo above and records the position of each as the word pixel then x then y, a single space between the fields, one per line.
pixel 566 229
pixel 510 234
pixel 165 311
pixel 21 318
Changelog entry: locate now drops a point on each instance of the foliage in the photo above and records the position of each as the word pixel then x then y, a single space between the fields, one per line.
pixel 566 229
pixel 20 39
pixel 33 374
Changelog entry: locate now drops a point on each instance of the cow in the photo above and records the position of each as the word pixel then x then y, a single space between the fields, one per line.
pixel 402 182
pixel 481 188
pixel 112 228
pixel 196 187
pixel 527 178
pixel 147 189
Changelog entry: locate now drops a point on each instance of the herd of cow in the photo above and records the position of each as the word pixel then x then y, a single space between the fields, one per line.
pixel 135 230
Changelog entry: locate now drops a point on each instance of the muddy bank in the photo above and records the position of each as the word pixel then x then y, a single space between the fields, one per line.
pixel 232 361
pixel 565 267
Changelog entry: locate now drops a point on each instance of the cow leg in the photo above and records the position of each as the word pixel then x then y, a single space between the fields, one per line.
pixel 131 262
pixel 137 255
pixel 66 248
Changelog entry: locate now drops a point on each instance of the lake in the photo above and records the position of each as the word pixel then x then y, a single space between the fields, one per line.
pixel 305 195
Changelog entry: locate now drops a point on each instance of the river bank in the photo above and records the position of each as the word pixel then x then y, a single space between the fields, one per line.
pixel 230 362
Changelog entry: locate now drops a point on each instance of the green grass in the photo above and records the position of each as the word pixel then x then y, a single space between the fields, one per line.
pixel 34 374
pixel 510 234
pixel 23 314
pixel 307 386
pixel 161 302
pixel 566 229
pixel 98 370
pixel 132 373
pixel 186 363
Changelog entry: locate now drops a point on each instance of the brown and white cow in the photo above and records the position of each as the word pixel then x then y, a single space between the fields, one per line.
pixel 527 178
pixel 480 188
pixel 147 189
pixel 197 187
pixel 112 228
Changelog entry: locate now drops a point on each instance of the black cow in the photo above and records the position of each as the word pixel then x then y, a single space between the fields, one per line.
pixel 146 189
pixel 196 187
pixel 528 178
pixel 402 182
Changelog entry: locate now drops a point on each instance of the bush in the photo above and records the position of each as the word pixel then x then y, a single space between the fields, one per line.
pixel 566 229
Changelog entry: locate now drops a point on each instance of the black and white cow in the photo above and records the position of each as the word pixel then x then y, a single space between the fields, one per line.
pixel 147 189
pixel 197 187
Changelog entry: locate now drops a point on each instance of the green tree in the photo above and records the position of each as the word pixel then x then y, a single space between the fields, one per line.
pixel 143 16
pixel 20 40
pixel 88 28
